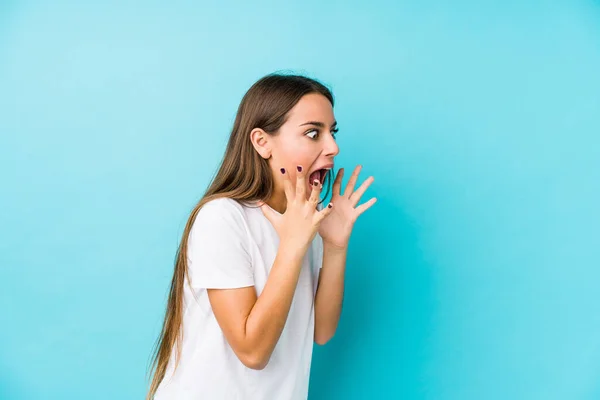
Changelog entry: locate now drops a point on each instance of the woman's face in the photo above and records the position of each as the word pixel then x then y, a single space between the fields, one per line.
pixel 306 139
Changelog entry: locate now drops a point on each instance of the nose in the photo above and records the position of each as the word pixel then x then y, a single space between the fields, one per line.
pixel 331 148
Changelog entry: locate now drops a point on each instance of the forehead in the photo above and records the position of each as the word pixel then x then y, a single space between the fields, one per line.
pixel 312 107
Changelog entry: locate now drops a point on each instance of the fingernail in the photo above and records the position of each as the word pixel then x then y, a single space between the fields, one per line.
pixel 283 170
pixel 299 168
pixel 316 182
pixel 329 205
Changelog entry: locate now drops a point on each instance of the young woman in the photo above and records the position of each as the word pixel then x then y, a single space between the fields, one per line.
pixel 259 273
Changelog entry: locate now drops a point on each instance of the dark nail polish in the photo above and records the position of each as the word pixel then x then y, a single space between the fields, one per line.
pixel 316 182
pixel 283 170
pixel 299 168
pixel 329 205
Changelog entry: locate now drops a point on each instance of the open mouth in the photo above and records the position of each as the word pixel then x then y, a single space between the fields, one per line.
pixel 318 175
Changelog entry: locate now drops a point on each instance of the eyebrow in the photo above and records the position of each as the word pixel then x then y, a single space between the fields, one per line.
pixel 319 124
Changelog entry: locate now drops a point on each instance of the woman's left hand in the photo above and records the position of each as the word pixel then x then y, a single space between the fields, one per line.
pixel 336 228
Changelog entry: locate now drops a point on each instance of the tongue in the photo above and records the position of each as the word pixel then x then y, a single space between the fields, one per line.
pixel 315 176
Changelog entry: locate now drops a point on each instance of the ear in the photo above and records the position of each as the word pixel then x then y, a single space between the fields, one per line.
pixel 261 142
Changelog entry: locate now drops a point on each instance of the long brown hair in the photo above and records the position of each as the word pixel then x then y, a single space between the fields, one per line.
pixel 243 176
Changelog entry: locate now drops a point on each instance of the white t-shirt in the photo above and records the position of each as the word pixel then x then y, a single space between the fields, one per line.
pixel 231 246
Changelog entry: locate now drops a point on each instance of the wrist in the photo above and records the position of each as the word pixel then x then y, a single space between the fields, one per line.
pixel 293 248
pixel 332 248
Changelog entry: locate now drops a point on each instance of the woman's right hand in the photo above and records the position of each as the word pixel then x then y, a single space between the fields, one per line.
pixel 300 222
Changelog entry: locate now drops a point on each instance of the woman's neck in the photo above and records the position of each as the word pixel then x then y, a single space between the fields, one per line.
pixel 277 202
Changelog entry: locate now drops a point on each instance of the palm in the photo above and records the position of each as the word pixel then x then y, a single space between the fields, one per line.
pixel 336 228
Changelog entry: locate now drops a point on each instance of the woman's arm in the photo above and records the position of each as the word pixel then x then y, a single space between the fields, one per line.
pixel 335 231
pixel 330 293
pixel 252 325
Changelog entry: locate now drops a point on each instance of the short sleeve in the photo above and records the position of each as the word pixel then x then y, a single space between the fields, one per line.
pixel 218 254
pixel 319 244
pixel 319 251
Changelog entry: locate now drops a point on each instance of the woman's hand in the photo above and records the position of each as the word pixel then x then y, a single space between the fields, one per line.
pixel 337 227
pixel 300 222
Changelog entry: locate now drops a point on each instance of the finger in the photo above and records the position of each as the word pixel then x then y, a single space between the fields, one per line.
pixel 355 198
pixel 300 183
pixel 321 215
pixel 287 185
pixel 352 181
pixel 337 183
pixel 315 194
pixel 364 207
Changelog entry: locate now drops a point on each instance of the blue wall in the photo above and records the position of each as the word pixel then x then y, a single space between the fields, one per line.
pixel 476 275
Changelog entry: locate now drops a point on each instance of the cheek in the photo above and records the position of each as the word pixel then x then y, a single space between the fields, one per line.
pixel 294 154
pixel 291 153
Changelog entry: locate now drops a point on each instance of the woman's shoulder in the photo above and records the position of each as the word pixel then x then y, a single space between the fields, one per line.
pixel 222 204
pixel 219 209
pixel 225 208
pixel 223 214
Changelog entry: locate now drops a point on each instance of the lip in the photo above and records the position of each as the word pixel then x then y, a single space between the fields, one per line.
pixel 325 166
pixel 328 166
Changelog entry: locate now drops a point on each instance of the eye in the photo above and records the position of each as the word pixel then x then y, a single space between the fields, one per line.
pixel 313 133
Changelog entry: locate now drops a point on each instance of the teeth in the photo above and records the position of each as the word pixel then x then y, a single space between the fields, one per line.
pixel 322 173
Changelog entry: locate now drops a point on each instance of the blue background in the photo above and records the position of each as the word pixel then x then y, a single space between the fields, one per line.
pixel 475 276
